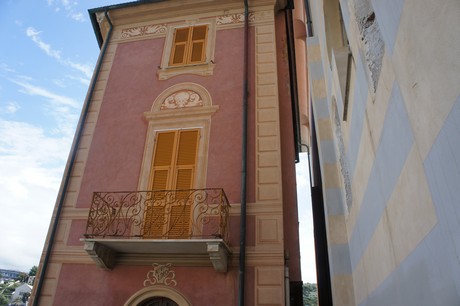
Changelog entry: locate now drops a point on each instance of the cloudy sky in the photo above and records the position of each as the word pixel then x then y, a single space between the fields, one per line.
pixel 46 62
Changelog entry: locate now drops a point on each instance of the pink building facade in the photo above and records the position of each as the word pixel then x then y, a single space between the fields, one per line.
pixel 180 186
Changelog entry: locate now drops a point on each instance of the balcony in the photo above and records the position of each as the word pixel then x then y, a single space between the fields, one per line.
pixel 182 226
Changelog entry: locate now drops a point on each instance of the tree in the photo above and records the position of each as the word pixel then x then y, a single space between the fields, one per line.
pixel 22 277
pixel 25 297
pixel 33 271
pixel 3 300
pixel 310 295
pixel 6 290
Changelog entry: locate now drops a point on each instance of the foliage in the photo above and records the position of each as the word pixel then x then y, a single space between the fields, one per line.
pixel 6 290
pixel 3 300
pixel 22 277
pixel 25 297
pixel 310 295
pixel 33 271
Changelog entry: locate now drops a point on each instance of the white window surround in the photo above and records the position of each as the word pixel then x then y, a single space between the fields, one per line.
pixel 207 68
pixel 193 117
pixel 157 291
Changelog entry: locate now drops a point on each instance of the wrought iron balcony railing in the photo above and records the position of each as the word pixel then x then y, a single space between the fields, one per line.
pixel 162 214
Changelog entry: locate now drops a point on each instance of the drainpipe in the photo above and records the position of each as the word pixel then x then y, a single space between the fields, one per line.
pixel 309 21
pixel 287 295
pixel 242 259
pixel 69 168
pixel 289 23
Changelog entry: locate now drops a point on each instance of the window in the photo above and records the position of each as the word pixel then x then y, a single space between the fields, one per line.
pixel 175 157
pixel 188 49
pixel 189 46
pixel 173 168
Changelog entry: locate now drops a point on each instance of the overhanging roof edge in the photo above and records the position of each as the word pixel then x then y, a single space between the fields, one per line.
pixel 93 18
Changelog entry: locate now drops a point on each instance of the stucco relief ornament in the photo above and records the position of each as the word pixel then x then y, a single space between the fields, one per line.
pixel 181 99
pixel 233 18
pixel 143 30
pixel 161 274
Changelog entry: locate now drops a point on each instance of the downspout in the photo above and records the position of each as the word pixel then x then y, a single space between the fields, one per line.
pixel 69 168
pixel 309 21
pixel 287 296
pixel 293 79
pixel 242 258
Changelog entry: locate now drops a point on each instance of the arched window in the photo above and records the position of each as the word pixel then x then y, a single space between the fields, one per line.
pixel 157 296
pixel 175 157
pixel 158 301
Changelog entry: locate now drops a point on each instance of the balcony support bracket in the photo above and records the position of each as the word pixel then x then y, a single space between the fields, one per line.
pixel 102 255
pixel 218 253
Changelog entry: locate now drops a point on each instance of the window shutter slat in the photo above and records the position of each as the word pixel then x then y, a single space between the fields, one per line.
pixel 164 149
pixel 187 147
pixel 179 224
pixel 154 222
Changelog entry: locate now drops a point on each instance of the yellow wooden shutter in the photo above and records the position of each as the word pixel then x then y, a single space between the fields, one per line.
pixel 185 172
pixel 179 223
pixel 198 44
pixel 154 222
pixel 173 168
pixel 186 159
pixel 154 217
pixel 189 46
pixel 179 47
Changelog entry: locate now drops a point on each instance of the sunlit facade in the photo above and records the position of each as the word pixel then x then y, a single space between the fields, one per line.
pixel 180 185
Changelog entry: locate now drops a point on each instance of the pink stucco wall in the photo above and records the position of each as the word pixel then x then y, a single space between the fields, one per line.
pixel 290 216
pixel 116 151
pixel 91 286
pixel 115 157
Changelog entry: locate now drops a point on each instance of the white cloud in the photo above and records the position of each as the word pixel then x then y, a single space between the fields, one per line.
pixel 30 173
pixel 59 83
pixel 78 16
pixel 4 67
pixel 68 6
pixel 83 81
pixel 10 108
pixel 54 98
pixel 56 54
pixel 307 242
pixel 35 36
pixel 63 110
pixel 85 69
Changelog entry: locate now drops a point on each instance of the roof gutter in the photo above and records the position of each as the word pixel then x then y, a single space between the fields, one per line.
pixel 93 17
pixel 69 168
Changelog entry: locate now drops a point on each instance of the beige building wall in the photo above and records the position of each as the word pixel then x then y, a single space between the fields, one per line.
pixel 388 125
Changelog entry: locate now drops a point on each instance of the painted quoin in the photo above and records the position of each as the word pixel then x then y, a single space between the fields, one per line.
pixel 180 185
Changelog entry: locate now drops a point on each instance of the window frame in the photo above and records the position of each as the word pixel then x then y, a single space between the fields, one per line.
pixel 187 57
pixel 167 70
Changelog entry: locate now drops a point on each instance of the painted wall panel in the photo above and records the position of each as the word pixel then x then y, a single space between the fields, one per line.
pixel 388 16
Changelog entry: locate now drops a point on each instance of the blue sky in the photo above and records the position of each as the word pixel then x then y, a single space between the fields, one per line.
pixel 46 62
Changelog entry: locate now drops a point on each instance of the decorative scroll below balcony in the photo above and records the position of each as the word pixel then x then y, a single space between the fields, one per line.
pixel 163 214
pixel 141 226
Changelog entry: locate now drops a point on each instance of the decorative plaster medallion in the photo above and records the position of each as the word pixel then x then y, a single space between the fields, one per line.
pixel 181 99
pixel 233 18
pixel 143 30
pixel 161 274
